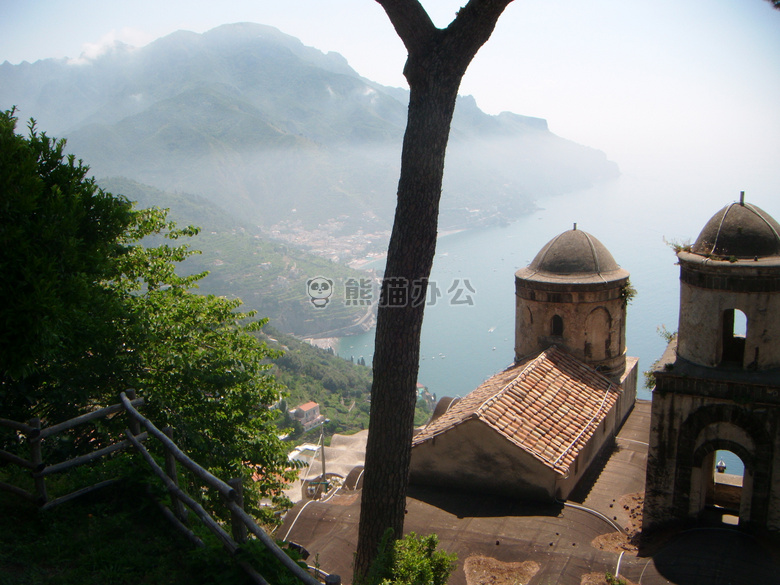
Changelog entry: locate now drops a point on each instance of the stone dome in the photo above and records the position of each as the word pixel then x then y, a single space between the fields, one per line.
pixel 574 255
pixel 739 230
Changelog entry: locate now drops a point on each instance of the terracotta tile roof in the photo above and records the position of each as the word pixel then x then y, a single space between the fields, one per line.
pixel 549 406
pixel 308 406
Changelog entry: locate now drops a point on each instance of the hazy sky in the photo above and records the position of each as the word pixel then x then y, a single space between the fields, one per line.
pixel 656 81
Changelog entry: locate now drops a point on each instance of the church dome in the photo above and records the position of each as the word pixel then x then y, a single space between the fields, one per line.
pixel 576 255
pixel 739 230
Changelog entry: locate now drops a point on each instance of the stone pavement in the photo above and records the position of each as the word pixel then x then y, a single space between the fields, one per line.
pixel 616 481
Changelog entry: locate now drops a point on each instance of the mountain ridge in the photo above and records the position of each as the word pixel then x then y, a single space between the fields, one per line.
pixel 283 135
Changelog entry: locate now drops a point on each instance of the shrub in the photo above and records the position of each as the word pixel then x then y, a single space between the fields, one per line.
pixel 413 560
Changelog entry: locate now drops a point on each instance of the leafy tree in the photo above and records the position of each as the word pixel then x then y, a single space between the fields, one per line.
pixel 437 60
pixel 422 412
pixel 87 311
pixel 59 235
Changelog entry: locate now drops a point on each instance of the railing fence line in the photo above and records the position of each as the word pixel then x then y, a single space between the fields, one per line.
pixel 231 492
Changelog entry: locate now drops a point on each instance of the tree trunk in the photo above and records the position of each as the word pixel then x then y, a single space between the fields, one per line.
pixel 435 66
pixel 397 351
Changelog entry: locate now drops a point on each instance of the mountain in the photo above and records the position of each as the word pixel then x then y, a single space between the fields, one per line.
pixel 282 135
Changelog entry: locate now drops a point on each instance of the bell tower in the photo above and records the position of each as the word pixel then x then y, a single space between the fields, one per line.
pixel 574 295
pixel 729 272
pixel 717 387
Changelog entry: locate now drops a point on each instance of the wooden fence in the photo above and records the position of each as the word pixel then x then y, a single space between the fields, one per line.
pixel 139 430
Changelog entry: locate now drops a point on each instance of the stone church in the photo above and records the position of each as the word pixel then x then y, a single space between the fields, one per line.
pixel 717 386
pixel 532 430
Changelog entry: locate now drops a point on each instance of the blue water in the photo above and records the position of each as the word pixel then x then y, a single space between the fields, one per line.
pixel 463 344
pixel 634 216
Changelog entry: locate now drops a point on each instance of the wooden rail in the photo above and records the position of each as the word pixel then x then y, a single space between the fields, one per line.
pixel 239 517
pixel 202 474
pixel 39 470
pixel 231 492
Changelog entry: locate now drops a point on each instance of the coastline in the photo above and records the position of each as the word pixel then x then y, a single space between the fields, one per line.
pixel 323 342
pixel 361 263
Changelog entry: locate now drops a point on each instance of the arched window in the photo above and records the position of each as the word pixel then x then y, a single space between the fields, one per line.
pixel 723 488
pixel 733 340
pixel 557 326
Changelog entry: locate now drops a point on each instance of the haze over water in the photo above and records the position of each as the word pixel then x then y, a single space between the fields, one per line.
pixel 634 217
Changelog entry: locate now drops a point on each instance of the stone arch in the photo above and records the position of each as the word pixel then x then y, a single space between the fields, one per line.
pixel 598 334
pixel 702 475
pixel 693 446
pixel 746 455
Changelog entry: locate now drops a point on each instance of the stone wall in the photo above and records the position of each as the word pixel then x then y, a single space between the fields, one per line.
pixel 694 415
pixel 708 288
pixel 473 457
pixel 592 315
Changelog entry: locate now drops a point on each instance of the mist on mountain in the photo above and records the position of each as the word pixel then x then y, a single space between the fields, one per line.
pixel 281 135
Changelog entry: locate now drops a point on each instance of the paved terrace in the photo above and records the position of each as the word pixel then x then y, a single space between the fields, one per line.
pixel 506 542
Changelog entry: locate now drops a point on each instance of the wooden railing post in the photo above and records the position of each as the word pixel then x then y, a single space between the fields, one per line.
pixel 239 528
pixel 36 458
pixel 133 424
pixel 172 473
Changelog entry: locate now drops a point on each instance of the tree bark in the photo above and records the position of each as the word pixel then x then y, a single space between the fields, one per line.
pixel 437 61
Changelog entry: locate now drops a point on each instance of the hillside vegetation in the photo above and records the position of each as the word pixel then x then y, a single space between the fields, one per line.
pixel 269 277
pixel 273 148
pixel 341 387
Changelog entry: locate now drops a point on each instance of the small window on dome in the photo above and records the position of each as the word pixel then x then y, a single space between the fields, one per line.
pixel 557 326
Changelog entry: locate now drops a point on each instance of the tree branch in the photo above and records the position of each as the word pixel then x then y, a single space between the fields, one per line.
pixel 412 23
pixel 457 44
pixel 473 26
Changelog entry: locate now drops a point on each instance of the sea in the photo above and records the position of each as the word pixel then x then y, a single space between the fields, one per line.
pixel 468 329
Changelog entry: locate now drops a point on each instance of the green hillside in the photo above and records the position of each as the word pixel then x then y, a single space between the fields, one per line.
pixel 341 387
pixel 267 276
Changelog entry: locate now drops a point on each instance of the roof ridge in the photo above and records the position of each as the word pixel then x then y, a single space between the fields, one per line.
pixel 552 352
pixel 758 211
pixel 593 252
pixel 546 406
pixel 529 367
pixel 720 226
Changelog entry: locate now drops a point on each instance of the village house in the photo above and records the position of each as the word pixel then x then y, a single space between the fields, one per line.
pixel 308 415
